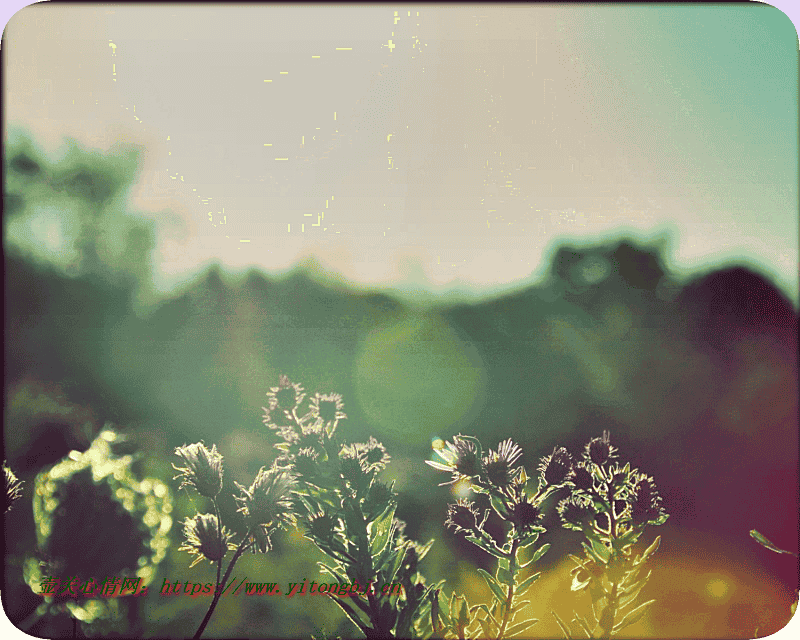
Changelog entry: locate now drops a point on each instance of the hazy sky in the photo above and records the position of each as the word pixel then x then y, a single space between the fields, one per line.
pixel 402 143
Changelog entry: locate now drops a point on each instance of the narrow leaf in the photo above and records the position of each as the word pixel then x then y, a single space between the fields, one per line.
pixel 561 624
pixel 498 592
pixel 766 543
pixel 583 625
pixel 634 615
pixel 540 552
pixel 523 587
pixel 520 627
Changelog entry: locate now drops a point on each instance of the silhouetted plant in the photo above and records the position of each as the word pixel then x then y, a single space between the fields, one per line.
pixel 331 487
pixel 611 506
pixel 496 475
pixel 100 532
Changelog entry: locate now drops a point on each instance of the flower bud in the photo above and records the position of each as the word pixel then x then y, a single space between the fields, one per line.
pixel 556 468
pixel 268 501
pixel 462 516
pixel 582 478
pixel 599 450
pixel 204 539
pixel 202 470
pixel 525 515
pixel 576 512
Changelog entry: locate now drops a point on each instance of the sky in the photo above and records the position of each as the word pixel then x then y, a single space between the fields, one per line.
pixel 428 146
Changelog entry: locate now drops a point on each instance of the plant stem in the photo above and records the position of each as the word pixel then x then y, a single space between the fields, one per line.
pixel 221 587
pixel 512 569
pixel 219 538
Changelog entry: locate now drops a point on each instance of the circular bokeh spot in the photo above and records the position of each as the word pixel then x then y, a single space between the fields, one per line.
pixel 414 375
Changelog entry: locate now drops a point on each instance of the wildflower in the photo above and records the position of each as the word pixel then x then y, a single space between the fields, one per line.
pixel 305 462
pixel 576 512
pixel 462 516
pixel 204 540
pixel 498 463
pixel 286 396
pixel 378 497
pixel 268 501
pixel 461 458
pixel 582 477
pixel 524 514
pixel 373 456
pixel 259 539
pixel 599 450
pixel 322 525
pixel 203 469
pixel 12 490
pixel 329 409
pixel 310 436
pixel 556 468
pixel 644 501
pixel 350 466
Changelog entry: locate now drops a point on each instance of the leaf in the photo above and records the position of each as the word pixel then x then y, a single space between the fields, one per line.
pixel 528 540
pixel 498 506
pixel 649 551
pixel 520 627
pixel 518 605
pixel 583 625
pixel 632 592
pixel 634 615
pixel 485 545
pixel 379 531
pixel 564 628
pixel 539 553
pixel 523 587
pixel 498 592
pixel 766 543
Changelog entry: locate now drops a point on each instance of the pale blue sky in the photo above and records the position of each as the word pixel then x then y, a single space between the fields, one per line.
pixel 445 148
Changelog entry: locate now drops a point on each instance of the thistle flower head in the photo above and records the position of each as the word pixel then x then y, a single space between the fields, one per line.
pixel 644 501
pixel 582 477
pixel 202 470
pixel 268 501
pixel 498 464
pixel 373 456
pixel 329 409
pixel 305 462
pixel 286 396
pixel 349 464
pixel 462 516
pixel 576 512
pixel 556 468
pixel 461 459
pixel 12 489
pixel 322 525
pixel 600 450
pixel 259 539
pixel 525 515
pixel 204 540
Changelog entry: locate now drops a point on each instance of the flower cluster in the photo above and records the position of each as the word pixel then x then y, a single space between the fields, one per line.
pixel 267 505
pixel 347 512
pixel 609 504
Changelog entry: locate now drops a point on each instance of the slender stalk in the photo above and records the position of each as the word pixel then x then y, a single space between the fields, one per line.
pixel 512 569
pixel 219 537
pixel 221 587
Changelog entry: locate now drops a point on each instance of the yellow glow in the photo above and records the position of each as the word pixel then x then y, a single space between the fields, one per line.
pixel 437 443
pixel 461 489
